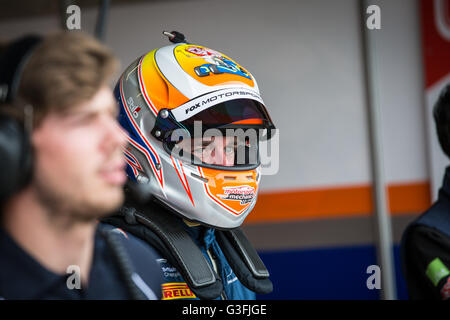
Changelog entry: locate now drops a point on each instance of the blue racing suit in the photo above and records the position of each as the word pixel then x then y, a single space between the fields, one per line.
pixel 175 287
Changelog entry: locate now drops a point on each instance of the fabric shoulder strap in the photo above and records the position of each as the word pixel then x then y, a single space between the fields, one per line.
pixel 163 231
pixel 244 260
pixel 166 235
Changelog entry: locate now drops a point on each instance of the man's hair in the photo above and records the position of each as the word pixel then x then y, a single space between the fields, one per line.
pixel 64 70
pixel 441 114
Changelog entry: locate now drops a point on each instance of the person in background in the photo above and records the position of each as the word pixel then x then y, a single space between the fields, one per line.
pixel 425 245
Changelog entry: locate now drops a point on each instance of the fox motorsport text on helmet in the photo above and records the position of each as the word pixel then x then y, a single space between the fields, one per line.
pixel 175 88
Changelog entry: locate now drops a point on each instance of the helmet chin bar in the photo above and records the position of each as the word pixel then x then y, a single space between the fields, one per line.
pixel 180 214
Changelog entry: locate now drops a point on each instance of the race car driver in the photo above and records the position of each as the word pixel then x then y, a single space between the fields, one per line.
pixel 195 119
pixel 62 169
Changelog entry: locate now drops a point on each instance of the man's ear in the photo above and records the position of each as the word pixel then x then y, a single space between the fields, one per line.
pixel 36 136
pixel 40 134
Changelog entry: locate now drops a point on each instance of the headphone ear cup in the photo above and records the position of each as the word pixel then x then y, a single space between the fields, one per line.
pixel 26 161
pixel 15 157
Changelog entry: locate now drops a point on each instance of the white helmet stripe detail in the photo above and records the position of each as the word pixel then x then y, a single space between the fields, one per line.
pixel 144 89
pixel 194 106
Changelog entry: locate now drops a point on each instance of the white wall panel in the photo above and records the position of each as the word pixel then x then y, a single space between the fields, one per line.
pixel 307 58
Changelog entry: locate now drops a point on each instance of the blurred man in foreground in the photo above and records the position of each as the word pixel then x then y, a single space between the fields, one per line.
pixel 51 244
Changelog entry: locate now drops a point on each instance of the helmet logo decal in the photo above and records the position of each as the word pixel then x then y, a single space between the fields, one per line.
pixel 216 63
pixel 206 101
pixel 202 66
pixel 220 65
pixel 244 194
pixel 236 199
pixel 202 52
pixel 134 108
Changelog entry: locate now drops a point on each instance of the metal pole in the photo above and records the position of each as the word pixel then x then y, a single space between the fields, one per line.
pixel 101 20
pixel 380 196
pixel 63 4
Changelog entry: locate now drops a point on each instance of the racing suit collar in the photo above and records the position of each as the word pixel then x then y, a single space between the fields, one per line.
pixel 202 235
pixel 444 191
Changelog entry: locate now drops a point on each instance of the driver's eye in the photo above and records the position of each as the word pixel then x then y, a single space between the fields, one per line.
pixel 229 149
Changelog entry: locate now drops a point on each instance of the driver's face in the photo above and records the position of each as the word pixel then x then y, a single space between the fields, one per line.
pixel 211 150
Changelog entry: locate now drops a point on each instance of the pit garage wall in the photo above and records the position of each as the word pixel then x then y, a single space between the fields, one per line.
pixel 313 220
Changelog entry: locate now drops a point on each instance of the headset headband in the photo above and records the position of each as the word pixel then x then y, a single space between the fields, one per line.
pixel 12 62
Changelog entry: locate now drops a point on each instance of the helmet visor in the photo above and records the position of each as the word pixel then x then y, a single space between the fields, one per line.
pixel 234 112
pixel 225 136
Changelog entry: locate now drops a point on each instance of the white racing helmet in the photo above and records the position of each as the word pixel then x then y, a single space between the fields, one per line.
pixel 170 100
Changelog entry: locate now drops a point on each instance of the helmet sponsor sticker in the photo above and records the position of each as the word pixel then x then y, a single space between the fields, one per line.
pixel 235 197
pixel 243 194
pixel 202 51
pixel 206 101
pixel 133 108
pixel 210 67
pixel 216 63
